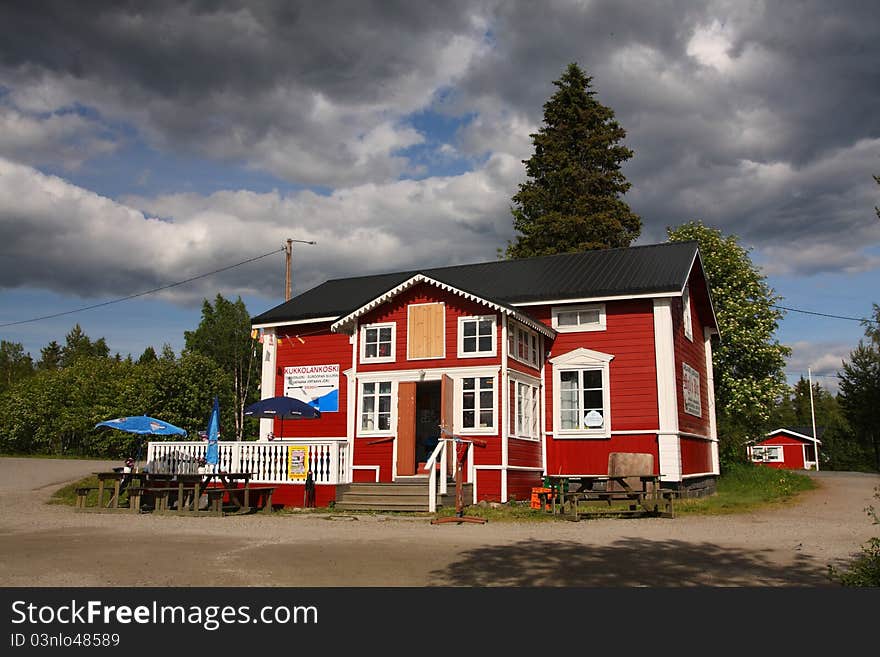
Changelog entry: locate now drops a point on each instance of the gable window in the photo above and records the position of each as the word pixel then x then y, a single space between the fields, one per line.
pixel 478 403
pixel 376 406
pixel 686 314
pixel 569 319
pixel 377 343
pixel 476 336
pixel 523 345
pixel 581 394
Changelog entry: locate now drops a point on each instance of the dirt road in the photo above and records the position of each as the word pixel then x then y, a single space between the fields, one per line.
pixel 791 545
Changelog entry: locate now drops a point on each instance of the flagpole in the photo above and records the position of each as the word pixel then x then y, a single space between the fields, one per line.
pixel 813 414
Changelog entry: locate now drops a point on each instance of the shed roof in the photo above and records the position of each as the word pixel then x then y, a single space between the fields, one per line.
pixel 632 271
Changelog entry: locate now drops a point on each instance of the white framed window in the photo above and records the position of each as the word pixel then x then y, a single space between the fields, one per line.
pixel 375 407
pixel 687 320
pixel 478 402
pixel 524 410
pixel 378 343
pixel 582 394
pixel 523 344
pixel 476 336
pixel 767 454
pixel 570 319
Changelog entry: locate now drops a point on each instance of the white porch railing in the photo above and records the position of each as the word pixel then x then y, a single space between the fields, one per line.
pixel 328 459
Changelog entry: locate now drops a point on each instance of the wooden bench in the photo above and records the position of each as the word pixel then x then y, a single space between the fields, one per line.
pixel 82 494
pixel 247 500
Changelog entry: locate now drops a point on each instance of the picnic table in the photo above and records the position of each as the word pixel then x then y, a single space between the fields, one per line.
pixel 586 497
pixel 178 493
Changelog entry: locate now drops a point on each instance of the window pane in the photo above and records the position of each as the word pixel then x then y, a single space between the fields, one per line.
pixel 371 334
pixel 589 316
pixel 592 400
pixel 467 419
pixel 569 380
pixel 467 400
pixel 385 349
pixel 486 383
pixel 592 379
pixel 385 334
pixel 469 345
pixel 486 343
pixel 486 399
pixel 384 422
pixel 369 388
pixel 385 388
pixel 469 328
pixel 370 350
pixel 485 327
pixel 369 404
pixel 569 419
pixel 567 319
pixel 367 422
pixel 467 384
pixel 486 418
pixel 384 404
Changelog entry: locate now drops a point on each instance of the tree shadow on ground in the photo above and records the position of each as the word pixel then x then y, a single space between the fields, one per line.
pixel 628 562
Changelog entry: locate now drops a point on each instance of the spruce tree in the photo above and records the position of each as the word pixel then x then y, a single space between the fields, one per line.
pixel 572 198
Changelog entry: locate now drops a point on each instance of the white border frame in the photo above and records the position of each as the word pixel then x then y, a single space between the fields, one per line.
pixel 460 338
pixel 365 360
pixel 582 359
pixel 583 328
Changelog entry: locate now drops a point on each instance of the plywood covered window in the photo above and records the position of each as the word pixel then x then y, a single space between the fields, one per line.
pixel 426 330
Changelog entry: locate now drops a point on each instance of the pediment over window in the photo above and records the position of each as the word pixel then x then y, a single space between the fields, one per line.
pixel 582 356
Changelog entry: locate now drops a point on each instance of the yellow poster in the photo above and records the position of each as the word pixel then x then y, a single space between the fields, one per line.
pixel 297 461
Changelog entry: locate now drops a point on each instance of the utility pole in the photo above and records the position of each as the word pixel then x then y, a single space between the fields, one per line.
pixel 813 415
pixel 288 253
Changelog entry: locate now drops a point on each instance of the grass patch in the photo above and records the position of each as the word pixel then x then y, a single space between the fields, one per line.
pixel 744 488
pixel 67 494
pixel 510 512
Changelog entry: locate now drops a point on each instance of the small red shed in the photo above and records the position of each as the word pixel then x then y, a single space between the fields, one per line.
pixel 789 448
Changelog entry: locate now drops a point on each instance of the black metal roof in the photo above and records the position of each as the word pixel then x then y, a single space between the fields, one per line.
pixel 650 269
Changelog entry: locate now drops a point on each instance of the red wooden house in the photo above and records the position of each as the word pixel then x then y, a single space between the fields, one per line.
pixel 789 448
pixel 551 362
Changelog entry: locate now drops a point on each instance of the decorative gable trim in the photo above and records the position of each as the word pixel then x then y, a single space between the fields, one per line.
pixel 582 356
pixel 344 322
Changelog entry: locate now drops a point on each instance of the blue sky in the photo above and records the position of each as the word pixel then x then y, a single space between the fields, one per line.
pixel 141 149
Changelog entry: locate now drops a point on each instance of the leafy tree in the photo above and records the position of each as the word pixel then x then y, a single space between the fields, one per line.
pixel 748 360
pixel 572 199
pixel 224 335
pixel 860 390
pixel 15 364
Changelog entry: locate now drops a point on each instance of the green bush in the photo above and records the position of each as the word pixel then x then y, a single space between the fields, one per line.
pixel 865 570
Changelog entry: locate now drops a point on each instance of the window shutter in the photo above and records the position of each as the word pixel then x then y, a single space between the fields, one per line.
pixel 426 331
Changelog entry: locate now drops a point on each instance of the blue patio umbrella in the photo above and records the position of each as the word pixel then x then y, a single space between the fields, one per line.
pixel 143 425
pixel 212 455
pixel 283 408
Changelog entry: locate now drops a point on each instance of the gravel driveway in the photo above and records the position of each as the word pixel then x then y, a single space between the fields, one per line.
pixel 790 545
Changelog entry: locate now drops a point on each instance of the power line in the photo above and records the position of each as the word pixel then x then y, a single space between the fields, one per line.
pixel 810 312
pixel 141 294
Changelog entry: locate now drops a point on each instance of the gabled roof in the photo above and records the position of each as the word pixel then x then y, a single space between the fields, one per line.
pixel 804 433
pixel 510 311
pixel 651 270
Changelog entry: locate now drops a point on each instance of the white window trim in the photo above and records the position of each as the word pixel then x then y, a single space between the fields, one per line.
pixel 762 449
pixel 363 341
pixel 514 329
pixel 477 354
pixel 600 326
pixel 687 318
pixel 392 421
pixel 582 359
pixel 427 303
pixel 459 407
pixel 514 403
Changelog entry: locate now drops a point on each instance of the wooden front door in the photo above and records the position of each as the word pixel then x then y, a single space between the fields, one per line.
pixel 406 428
pixel 447 418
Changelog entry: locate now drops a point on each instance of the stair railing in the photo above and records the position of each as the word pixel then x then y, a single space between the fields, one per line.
pixel 440 452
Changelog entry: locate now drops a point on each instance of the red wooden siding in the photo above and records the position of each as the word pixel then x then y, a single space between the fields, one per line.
pixel 488 485
pixel 590 457
pixel 696 455
pixel 319 347
pixel 520 484
pixel 395 311
pixel 378 454
pixel 693 353
pixel 293 495
pixel 524 453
